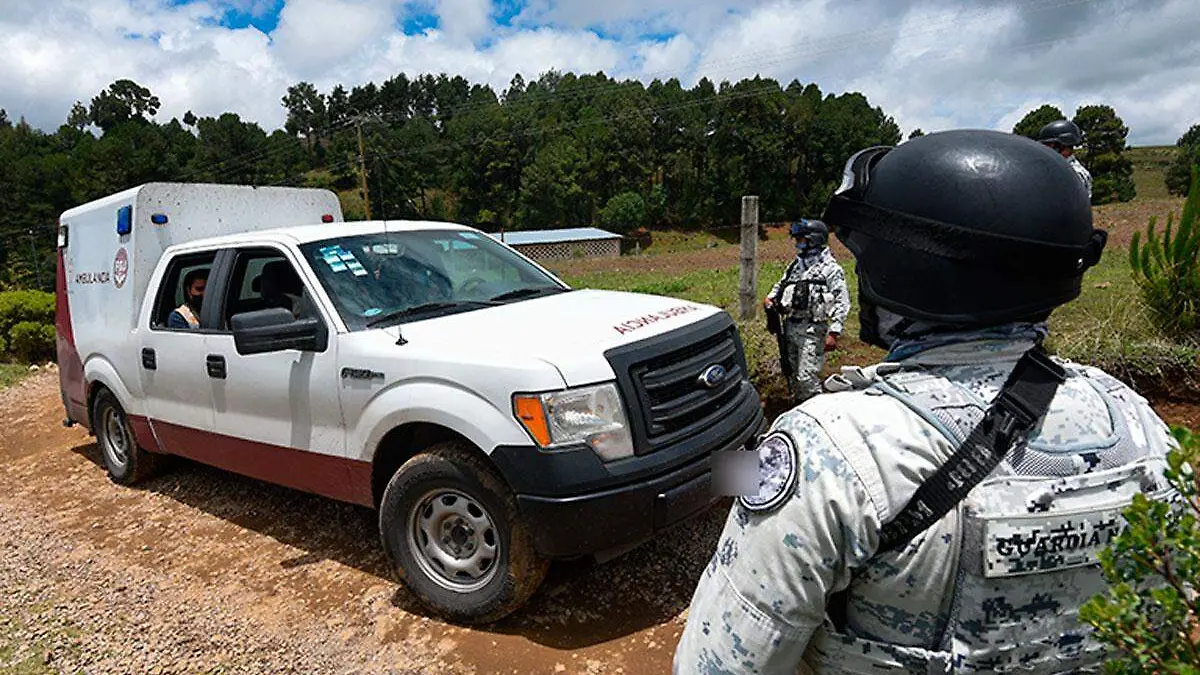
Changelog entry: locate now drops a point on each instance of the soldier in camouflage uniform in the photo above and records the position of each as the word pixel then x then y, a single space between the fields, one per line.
pixel 1062 136
pixel 813 299
pixel 965 244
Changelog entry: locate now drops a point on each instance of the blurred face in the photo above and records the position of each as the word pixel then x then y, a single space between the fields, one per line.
pixel 195 292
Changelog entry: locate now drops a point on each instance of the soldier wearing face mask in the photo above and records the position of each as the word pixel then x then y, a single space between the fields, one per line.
pixel 813 301
pixel 942 511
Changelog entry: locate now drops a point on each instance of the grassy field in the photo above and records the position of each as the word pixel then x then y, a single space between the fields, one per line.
pixel 10 374
pixel 1149 165
pixel 1107 325
pixel 719 287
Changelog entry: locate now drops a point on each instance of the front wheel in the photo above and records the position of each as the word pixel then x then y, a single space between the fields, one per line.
pixel 452 532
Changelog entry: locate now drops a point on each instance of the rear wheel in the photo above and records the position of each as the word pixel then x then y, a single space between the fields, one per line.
pixel 125 462
pixel 453 534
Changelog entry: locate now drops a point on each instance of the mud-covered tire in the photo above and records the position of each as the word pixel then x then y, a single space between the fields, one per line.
pixel 125 462
pixel 451 492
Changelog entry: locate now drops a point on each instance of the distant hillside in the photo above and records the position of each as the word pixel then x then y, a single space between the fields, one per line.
pixel 1149 168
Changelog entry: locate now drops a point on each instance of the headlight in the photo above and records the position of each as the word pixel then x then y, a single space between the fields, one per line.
pixel 593 416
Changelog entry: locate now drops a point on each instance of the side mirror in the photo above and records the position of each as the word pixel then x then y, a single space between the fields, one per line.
pixel 276 330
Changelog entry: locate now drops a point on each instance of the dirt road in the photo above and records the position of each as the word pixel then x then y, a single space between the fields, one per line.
pixel 201 571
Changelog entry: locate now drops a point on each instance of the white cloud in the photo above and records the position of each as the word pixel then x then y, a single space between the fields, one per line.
pixel 664 60
pixel 544 49
pixel 1010 119
pixel 314 35
pixel 929 63
pixel 466 19
pixel 630 18
pixel 775 40
pixel 527 52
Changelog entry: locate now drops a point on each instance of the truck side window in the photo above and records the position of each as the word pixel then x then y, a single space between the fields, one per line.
pixel 263 279
pixel 181 294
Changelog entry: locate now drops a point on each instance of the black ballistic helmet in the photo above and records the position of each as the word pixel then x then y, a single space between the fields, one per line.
pixel 814 232
pixel 969 228
pixel 1063 132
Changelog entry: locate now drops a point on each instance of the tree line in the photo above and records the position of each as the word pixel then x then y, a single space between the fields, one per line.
pixel 1104 145
pixel 571 150
pixel 563 150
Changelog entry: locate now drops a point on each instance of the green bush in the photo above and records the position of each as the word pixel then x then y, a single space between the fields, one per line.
pixel 1149 614
pixel 19 306
pixel 1186 157
pixel 624 212
pixel 1167 270
pixel 32 342
pixel 33 313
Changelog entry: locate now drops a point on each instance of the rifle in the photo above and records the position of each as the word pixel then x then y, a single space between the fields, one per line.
pixel 775 325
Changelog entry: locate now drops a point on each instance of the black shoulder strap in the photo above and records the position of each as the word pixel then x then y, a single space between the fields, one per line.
pixel 786 273
pixel 1023 401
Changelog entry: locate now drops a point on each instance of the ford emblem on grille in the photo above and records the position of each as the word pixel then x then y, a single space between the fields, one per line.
pixel 713 376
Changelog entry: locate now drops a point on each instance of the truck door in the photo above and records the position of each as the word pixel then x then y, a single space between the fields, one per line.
pixel 172 356
pixel 283 400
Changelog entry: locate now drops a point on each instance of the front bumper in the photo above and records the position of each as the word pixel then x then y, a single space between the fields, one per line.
pixel 625 514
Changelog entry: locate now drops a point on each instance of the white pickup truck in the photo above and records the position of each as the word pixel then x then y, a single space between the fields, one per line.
pixel 495 417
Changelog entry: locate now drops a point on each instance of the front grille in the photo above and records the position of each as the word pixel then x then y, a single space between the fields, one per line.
pixel 675 400
pixel 661 381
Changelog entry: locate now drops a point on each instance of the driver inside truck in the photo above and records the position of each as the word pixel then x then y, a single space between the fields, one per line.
pixel 187 315
pixel 280 286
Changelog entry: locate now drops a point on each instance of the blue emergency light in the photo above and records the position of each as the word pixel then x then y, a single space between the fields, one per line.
pixel 159 219
pixel 124 220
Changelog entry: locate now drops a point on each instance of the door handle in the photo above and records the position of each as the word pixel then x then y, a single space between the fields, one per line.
pixel 216 366
pixel 149 359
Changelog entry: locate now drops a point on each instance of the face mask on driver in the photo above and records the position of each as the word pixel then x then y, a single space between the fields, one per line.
pixel 195 301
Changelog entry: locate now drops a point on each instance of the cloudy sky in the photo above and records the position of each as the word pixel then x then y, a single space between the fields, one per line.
pixel 932 64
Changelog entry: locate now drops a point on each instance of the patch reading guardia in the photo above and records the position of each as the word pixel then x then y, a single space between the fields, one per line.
pixel 777 473
pixel 1026 545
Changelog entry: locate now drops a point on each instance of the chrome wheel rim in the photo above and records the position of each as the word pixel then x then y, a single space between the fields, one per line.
pixel 116 441
pixel 454 540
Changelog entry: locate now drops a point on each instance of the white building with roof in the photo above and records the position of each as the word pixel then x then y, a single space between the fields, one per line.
pixel 565 244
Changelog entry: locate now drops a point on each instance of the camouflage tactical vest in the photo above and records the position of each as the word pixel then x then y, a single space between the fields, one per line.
pixel 804 295
pixel 1029 538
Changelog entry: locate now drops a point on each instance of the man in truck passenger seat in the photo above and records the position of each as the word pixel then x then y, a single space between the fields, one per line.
pixel 942 511
pixel 187 315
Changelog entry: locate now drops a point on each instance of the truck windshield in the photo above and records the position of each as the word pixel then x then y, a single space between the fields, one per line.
pixel 393 277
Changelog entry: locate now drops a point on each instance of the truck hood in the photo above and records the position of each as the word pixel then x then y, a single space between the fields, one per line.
pixel 569 330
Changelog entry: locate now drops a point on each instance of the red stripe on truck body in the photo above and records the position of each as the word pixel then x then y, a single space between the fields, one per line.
pixel 70 367
pixel 346 480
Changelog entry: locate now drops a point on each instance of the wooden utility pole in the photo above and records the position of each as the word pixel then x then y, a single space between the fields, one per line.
pixel 362 170
pixel 748 279
pixel 36 262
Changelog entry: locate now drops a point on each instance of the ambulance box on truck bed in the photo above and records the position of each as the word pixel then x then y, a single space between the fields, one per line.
pixel 494 417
